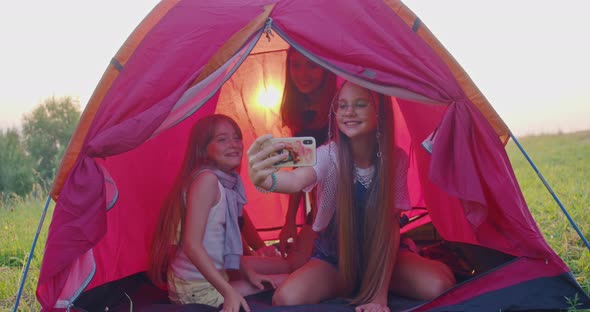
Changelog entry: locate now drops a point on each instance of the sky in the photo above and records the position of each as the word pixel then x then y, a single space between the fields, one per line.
pixel 528 57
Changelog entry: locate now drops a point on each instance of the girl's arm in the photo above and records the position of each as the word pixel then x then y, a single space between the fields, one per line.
pixel 250 235
pixel 289 229
pixel 293 181
pixel 260 168
pixel 202 196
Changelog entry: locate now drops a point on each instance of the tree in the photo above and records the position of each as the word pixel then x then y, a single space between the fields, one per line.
pixel 47 131
pixel 16 170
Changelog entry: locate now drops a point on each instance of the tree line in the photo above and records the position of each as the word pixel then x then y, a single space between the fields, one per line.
pixel 31 155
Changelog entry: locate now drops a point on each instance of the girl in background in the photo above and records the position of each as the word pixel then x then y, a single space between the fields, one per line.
pixel 362 183
pixel 305 107
pixel 200 219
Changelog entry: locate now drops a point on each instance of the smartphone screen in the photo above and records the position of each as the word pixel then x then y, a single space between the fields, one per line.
pixel 301 152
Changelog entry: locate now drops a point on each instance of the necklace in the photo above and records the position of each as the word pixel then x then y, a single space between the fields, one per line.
pixel 364 176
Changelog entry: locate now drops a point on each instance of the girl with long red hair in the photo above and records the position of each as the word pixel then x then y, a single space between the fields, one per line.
pixel 200 222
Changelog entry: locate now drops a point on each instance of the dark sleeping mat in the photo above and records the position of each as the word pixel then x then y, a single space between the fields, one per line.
pixel 137 293
pixel 262 302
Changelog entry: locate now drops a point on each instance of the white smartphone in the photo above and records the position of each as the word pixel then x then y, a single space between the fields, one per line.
pixel 301 151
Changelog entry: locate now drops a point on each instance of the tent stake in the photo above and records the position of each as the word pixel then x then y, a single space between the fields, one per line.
pixel 26 270
pixel 551 191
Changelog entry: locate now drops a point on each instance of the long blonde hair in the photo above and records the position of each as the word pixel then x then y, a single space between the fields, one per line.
pixel 172 214
pixel 364 245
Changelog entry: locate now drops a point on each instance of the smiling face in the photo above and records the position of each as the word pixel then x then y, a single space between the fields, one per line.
pixel 355 111
pixel 225 148
pixel 305 74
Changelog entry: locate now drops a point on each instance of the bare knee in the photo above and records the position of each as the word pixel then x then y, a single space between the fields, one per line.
pixel 314 282
pixel 436 286
pixel 421 278
pixel 284 296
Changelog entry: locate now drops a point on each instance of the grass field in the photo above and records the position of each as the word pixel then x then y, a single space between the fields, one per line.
pixel 19 219
pixel 563 159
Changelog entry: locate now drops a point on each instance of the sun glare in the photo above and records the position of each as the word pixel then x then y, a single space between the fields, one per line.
pixel 269 97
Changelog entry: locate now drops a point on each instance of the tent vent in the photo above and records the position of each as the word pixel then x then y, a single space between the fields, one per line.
pixel 116 64
pixel 369 73
pixel 417 23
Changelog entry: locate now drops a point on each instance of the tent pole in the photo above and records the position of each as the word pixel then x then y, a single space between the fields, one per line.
pixel 551 191
pixel 26 270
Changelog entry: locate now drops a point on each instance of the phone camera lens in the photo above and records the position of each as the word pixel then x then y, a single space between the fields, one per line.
pixel 307 142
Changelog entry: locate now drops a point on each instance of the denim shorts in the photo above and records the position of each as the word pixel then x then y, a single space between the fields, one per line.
pixel 330 258
pixel 320 251
pixel 325 246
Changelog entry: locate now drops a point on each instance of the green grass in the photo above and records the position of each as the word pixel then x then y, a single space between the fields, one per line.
pixel 19 219
pixel 563 159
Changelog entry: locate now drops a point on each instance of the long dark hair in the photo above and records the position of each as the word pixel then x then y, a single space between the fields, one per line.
pixel 364 240
pixel 293 103
pixel 172 214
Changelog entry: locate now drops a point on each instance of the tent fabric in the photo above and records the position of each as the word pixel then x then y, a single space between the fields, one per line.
pixel 188 59
pixel 399 59
pixel 111 73
pixel 497 281
pixel 80 211
pixel 468 86
pixel 162 8
pixel 470 163
pixel 528 296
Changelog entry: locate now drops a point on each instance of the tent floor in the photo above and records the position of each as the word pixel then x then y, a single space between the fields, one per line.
pixel 466 261
pixel 144 296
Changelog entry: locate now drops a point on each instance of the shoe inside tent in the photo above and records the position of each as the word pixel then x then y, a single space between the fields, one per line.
pixel 189 59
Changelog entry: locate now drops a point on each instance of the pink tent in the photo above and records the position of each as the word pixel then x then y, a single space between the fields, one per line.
pixel 188 59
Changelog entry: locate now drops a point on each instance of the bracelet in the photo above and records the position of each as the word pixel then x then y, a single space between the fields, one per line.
pixel 272 188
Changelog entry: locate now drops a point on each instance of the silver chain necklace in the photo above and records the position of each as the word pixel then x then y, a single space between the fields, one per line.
pixel 364 176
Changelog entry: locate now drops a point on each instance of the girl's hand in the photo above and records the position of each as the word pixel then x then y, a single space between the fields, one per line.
pixel 372 307
pixel 232 301
pixel 267 251
pixel 260 166
pixel 289 230
pixel 261 281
